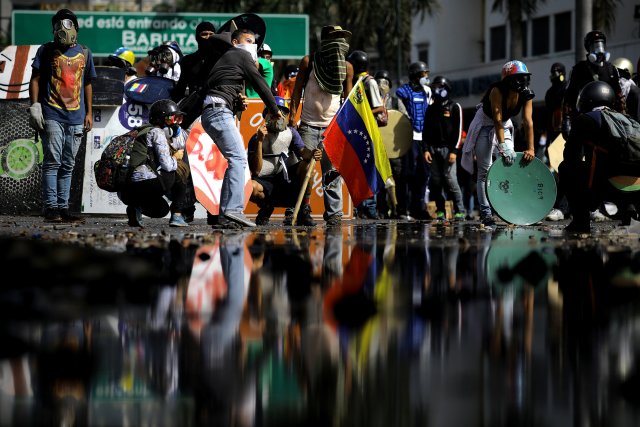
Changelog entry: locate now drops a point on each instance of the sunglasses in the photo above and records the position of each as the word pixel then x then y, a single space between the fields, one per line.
pixel 175 119
pixel 64 23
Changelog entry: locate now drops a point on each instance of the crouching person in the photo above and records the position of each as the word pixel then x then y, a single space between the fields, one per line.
pixel 163 172
pixel 276 171
pixel 601 157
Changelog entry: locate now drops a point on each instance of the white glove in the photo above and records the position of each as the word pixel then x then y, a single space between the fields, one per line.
pixel 508 154
pixel 36 119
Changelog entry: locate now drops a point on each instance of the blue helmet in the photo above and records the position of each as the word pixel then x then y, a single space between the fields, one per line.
pixel 513 68
pixel 282 105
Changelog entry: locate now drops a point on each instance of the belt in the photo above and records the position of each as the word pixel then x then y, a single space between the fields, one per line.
pixel 313 127
pixel 216 105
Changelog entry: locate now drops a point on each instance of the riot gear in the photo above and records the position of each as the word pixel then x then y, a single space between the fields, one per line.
pixel 417 68
pixel 595 94
pixel 441 87
pixel 595 42
pixel 557 72
pixel 383 74
pixel 164 113
pixel 65 27
pixel 359 60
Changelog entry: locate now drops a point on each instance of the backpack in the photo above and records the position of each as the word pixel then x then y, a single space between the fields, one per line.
pixel 624 136
pixel 120 157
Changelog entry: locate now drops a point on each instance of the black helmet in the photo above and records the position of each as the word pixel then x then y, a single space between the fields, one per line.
pixel 162 109
pixel 595 94
pixel 592 37
pixel 417 67
pixel 65 14
pixel 441 81
pixel 359 60
pixel 383 74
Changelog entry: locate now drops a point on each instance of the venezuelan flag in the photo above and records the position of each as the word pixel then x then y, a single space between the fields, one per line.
pixel 353 144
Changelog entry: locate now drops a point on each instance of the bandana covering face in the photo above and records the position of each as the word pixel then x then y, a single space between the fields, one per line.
pixel 330 65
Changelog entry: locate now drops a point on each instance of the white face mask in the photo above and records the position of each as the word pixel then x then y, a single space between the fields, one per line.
pixel 424 81
pixel 251 48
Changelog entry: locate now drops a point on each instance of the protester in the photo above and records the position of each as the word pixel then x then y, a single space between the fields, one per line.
pixel 265 66
pixel 360 62
pixel 164 61
pixel 124 58
pixel 413 181
pixel 553 102
pixel 440 138
pixel 223 101
pixel 164 173
pixel 630 91
pixel 492 128
pixel 276 170
pixel 61 111
pixel 591 158
pixel 326 78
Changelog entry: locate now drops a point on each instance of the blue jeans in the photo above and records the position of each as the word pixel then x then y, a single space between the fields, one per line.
pixel 484 159
pixel 443 175
pixel 220 125
pixel 60 144
pixel 331 179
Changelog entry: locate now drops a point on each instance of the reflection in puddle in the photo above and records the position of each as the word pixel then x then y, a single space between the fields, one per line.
pixel 395 324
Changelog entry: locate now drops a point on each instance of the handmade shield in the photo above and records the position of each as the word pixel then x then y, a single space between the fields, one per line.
pixel 149 89
pixel 250 21
pixel 397 136
pixel 522 193
pixel 208 166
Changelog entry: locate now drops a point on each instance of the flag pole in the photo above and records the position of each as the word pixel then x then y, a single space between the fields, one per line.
pixel 303 188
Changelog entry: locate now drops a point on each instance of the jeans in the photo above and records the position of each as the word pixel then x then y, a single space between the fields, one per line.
pixel 331 179
pixel 443 172
pixel 484 158
pixel 60 144
pixel 220 125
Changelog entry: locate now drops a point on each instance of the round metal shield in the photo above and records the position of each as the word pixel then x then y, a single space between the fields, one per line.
pixel 397 135
pixel 522 193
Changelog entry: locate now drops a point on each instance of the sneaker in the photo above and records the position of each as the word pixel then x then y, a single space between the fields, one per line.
pixel 460 216
pixel 177 220
pixel 52 215
pixel 439 216
pixel 304 217
pixel 135 216
pixel 555 215
pixel 488 222
pixel 334 221
pixel 598 216
pixel 263 215
pixel 239 218
pixel 66 216
pixel 213 219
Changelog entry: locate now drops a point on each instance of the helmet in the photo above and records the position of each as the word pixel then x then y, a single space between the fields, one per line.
pixel 417 67
pixel 624 66
pixel 359 60
pixel 124 54
pixel 383 74
pixel 595 94
pixel 291 71
pixel 513 68
pixel 441 81
pixel 173 45
pixel 282 105
pixel 65 14
pixel 592 37
pixel 265 48
pixel 162 109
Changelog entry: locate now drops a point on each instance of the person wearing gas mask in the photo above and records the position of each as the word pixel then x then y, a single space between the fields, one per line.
pixel 440 139
pixel 224 99
pixel 413 100
pixel 596 66
pixel 325 77
pixel 276 170
pixel 164 61
pixel 124 59
pixel 164 173
pixel 492 128
pixel 61 110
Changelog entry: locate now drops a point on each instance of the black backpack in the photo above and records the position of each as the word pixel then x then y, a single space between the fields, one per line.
pixel 120 157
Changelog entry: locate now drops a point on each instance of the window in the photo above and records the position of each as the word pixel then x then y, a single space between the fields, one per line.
pixel 498 36
pixel 540 36
pixel 423 53
pixel 562 26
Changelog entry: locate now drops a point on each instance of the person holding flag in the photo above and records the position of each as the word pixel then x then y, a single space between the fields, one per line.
pixel 353 144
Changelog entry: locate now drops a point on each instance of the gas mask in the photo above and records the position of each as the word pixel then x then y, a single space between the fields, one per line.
pixel 161 61
pixel 251 48
pixel 424 81
pixel 441 93
pixel 65 32
pixel 520 84
pixel 278 125
pixel 597 54
pixel 556 77
pixel 383 84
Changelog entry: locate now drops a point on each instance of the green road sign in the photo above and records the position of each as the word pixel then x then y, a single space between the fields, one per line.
pixel 104 32
pixel 521 193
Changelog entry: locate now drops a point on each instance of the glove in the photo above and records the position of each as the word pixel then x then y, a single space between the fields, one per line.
pixel 36 119
pixel 508 155
pixel 566 127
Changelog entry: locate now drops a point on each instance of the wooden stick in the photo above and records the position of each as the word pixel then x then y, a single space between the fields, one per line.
pixel 303 189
